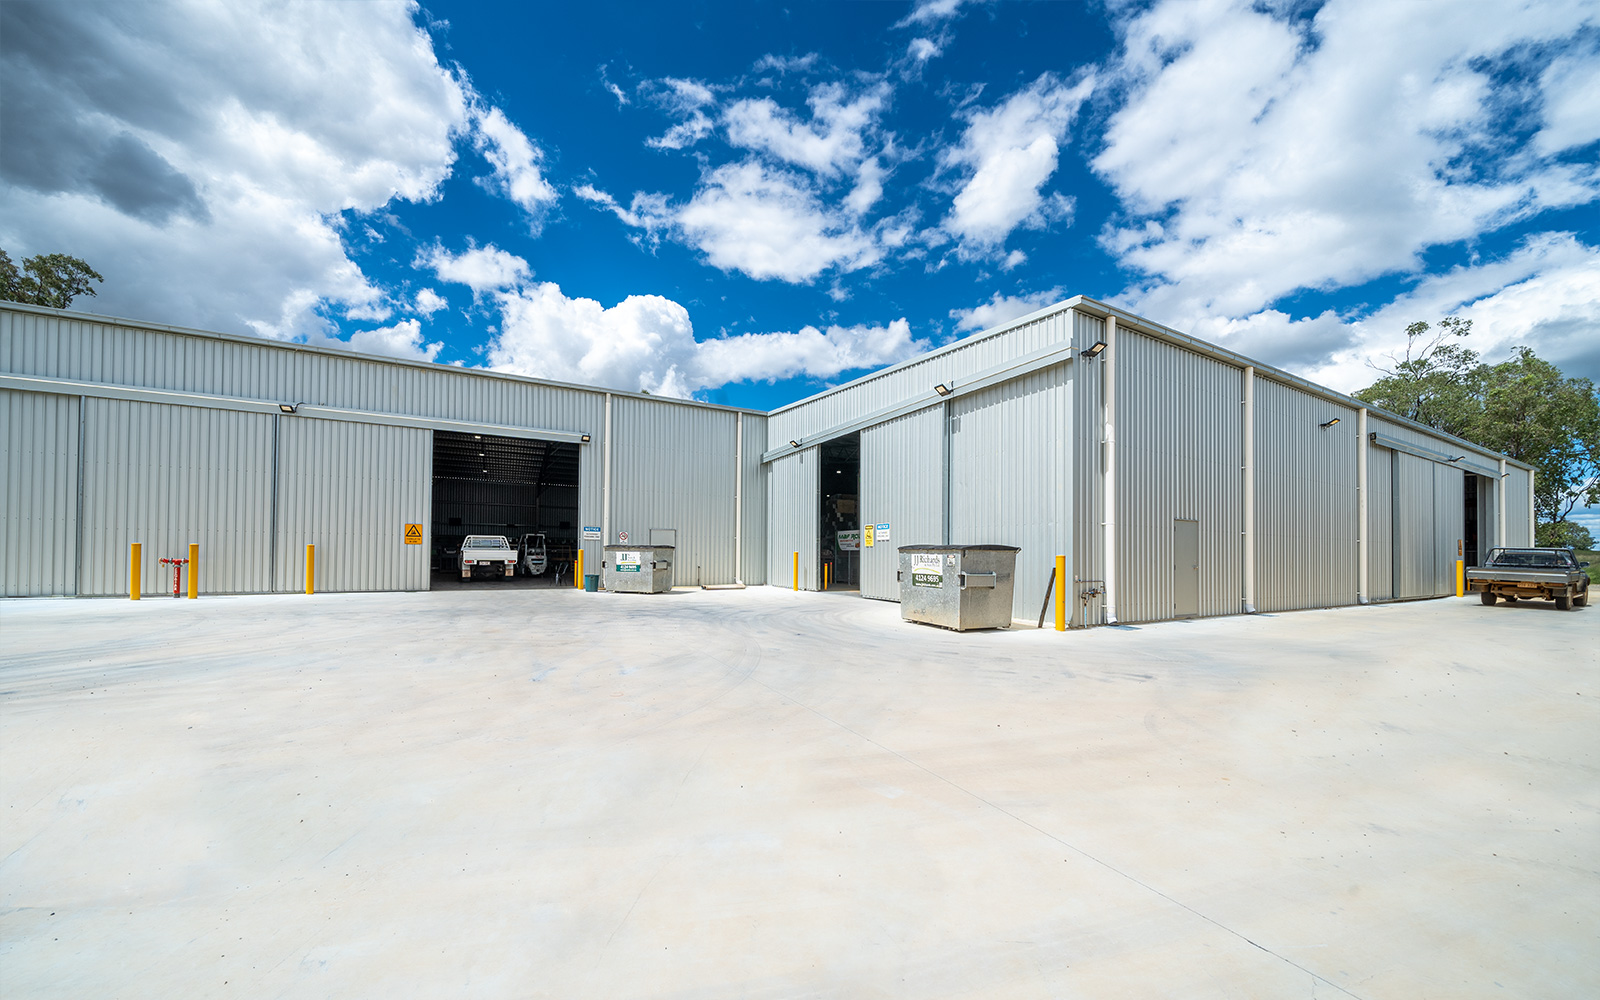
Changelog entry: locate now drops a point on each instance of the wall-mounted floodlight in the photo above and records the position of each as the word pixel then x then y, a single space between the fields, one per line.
pixel 943 389
pixel 1093 352
pixel 584 439
pixel 795 444
pixel 289 407
pixel 1456 459
pixel 1329 423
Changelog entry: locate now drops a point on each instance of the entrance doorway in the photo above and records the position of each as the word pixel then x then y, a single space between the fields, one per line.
pixel 517 487
pixel 839 517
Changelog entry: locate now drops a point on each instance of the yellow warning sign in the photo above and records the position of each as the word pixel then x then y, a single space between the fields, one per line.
pixel 866 536
pixel 413 534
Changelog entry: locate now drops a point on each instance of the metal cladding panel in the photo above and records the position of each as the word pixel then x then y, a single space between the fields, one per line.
pixel 1179 444
pixel 39 488
pixel 754 502
pixel 1307 504
pixel 127 354
pixel 1449 525
pixel 1414 529
pixel 902 485
pixel 1011 452
pixel 166 476
pixel 1088 478
pixel 1519 508
pixel 1380 517
pixel 876 392
pixel 794 511
pixel 673 467
pixel 350 489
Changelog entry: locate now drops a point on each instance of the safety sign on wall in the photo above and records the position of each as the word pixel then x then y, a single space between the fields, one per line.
pixel 867 536
pixel 882 531
pixel 413 534
pixel 591 534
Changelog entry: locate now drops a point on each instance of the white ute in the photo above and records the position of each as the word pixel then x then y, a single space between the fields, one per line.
pixel 485 555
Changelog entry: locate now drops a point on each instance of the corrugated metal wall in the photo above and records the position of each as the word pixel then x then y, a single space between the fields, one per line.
pixel 349 489
pixel 1449 526
pixel 1307 506
pixel 1011 450
pixel 974 354
pixel 1519 510
pixel 1380 517
pixel 166 476
pixel 1179 441
pixel 673 467
pixel 753 554
pixel 39 466
pixel 793 512
pixel 902 485
pixel 1088 553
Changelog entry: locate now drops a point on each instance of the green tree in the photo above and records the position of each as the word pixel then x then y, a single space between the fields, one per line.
pixel 51 279
pixel 1523 407
pixel 1565 533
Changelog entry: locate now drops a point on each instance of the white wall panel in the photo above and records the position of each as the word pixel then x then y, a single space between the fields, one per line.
pixel 794 511
pixel 166 476
pixel 902 485
pixel 39 490
pixel 349 489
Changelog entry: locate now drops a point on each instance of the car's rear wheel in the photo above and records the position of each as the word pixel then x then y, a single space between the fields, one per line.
pixel 1563 602
pixel 1582 600
pixel 1487 597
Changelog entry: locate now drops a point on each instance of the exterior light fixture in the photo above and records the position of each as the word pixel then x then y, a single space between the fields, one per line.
pixel 584 439
pixel 1093 352
pixel 1456 459
pixel 288 407
pixel 795 444
pixel 943 389
pixel 1330 423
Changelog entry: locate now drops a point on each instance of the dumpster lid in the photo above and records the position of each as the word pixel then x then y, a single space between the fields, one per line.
pixel 960 548
pixel 635 548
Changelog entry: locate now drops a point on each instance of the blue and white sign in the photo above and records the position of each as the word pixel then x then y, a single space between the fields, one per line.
pixel 882 531
pixel 591 534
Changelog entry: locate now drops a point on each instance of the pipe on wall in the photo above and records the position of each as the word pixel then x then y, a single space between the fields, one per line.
pixel 1109 401
pixel 738 500
pixel 1500 505
pixel 1249 490
pixel 605 488
pixel 1363 586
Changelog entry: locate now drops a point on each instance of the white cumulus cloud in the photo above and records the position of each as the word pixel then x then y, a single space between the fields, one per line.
pixel 1008 153
pixel 1004 308
pixel 482 269
pixel 200 154
pixel 518 165
pixel 402 340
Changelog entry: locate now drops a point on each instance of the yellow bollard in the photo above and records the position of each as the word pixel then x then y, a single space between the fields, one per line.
pixel 797 571
pixel 311 566
pixel 194 570
pixel 1461 578
pixel 133 572
pixel 1061 593
pixel 827 573
pixel 577 571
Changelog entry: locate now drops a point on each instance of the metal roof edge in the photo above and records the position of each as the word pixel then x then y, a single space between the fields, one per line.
pixel 972 338
pixel 1142 325
pixel 337 352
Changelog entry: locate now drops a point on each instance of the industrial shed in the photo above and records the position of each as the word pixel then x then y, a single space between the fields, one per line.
pixel 118 432
pixel 1178 479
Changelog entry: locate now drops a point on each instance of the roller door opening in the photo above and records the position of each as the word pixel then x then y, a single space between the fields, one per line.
pixel 524 489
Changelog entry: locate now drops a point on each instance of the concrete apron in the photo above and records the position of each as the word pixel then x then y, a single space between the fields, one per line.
pixel 762 793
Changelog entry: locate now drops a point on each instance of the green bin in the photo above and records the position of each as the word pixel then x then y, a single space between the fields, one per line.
pixel 591 582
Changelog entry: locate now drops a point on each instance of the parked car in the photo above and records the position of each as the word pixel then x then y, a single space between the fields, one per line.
pixel 1524 574
pixel 532 555
pixel 487 555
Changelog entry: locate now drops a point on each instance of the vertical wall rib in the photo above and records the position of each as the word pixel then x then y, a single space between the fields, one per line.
pixel 39 490
pixel 902 486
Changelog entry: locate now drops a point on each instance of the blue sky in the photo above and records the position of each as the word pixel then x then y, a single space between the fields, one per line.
pixel 746 202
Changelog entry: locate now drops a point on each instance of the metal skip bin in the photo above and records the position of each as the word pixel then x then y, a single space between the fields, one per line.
pixel 957 586
pixel 637 569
